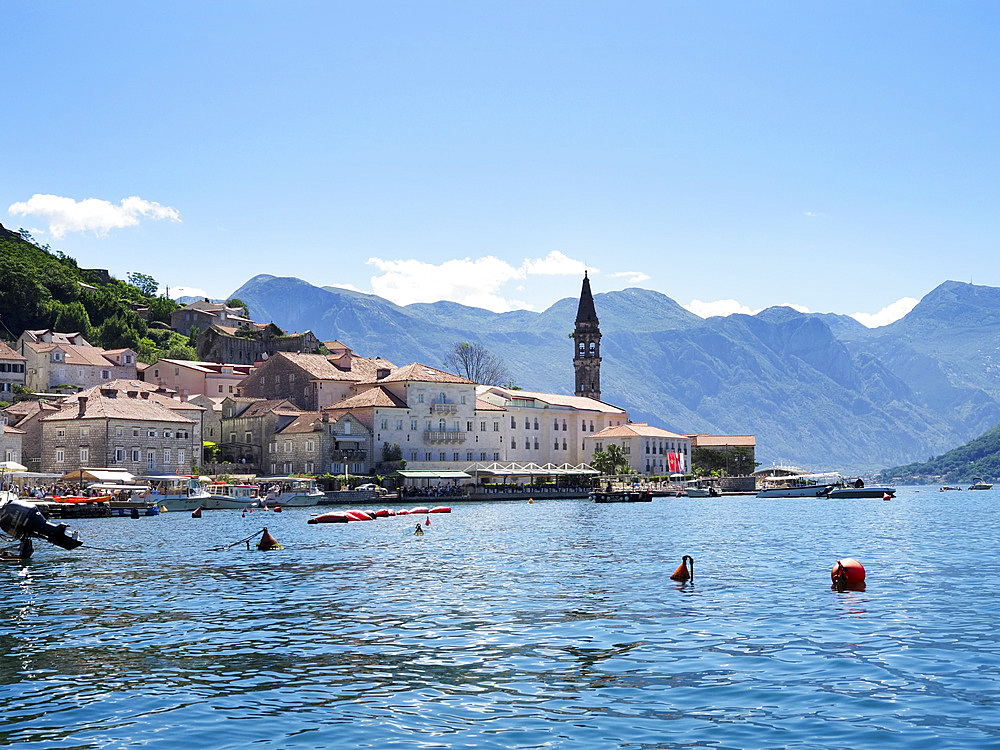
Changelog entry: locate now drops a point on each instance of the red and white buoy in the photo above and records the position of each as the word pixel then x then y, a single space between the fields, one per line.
pixel 848 573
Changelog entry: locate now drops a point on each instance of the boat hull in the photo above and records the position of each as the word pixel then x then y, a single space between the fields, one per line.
pixel 841 493
pixel 622 497
pixel 812 490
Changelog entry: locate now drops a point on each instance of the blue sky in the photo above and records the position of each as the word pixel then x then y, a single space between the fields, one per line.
pixel 838 156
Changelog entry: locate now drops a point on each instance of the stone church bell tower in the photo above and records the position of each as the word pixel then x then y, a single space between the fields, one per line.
pixel 587 345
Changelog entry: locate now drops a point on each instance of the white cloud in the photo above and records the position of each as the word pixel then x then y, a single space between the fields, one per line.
pixel 92 214
pixel 719 308
pixel 553 264
pixel 348 287
pixel 813 214
pixel 469 282
pixel 632 277
pixel 889 314
pixel 176 292
pixel 477 282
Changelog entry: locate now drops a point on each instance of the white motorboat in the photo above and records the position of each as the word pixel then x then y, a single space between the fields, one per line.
pixel 176 491
pixel 225 496
pixel 290 492
pixel 801 485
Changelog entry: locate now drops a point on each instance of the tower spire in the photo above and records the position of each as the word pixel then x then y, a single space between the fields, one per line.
pixel 587 345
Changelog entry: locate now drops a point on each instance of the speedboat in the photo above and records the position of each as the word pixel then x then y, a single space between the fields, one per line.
pixel 979 484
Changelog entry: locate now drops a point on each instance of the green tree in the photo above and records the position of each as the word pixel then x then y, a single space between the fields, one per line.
pixel 610 461
pixel 144 283
pixel 237 302
pixel 71 318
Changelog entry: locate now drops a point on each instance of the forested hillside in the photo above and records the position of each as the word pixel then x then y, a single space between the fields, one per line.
pixel 977 458
pixel 42 288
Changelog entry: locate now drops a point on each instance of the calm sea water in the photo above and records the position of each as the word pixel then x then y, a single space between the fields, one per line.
pixel 549 625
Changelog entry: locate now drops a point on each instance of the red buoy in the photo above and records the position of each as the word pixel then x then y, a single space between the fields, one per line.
pixel 848 573
pixel 428 521
pixel 196 513
pixel 268 542
pixel 683 573
pixel 886 496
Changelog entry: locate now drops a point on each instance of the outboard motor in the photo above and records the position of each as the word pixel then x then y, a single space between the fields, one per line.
pixel 23 520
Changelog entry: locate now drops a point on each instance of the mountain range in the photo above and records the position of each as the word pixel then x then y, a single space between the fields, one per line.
pixel 820 391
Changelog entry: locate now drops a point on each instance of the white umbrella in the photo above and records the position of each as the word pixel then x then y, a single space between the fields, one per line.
pixel 12 466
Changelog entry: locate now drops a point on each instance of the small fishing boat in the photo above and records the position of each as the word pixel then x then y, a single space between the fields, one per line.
pixel 176 491
pixel 226 496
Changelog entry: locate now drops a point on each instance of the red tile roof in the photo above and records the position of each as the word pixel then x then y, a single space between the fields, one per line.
pixel 416 372
pixel 376 396
pixel 7 353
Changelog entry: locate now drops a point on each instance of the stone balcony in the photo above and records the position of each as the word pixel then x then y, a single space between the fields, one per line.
pixel 447 436
pixel 444 408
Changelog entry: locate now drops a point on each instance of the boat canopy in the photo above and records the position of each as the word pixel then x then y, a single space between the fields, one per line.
pixel 115 476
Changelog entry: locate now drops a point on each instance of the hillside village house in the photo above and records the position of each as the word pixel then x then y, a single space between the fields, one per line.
pixel 312 381
pixel 12 366
pixel 119 429
pixel 190 378
pixel 55 359
pixel 204 314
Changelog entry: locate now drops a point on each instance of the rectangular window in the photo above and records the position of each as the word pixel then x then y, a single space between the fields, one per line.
pixel 118 431
pixel 441 456
pixel 60 455
pixel 119 455
pixel 496 427
pixel 136 455
pixel 151 433
pixel 496 456
pixel 310 445
pixel 150 460
pixel 84 455
pixel 168 433
pixel 468 426
pixel 220 388
pixel 413 455
pixel 61 432
pixel 84 431
pixel 105 375
pixel 399 424
pixel 288 446
pixel 482 426
pixel 413 425
pixel 454 456
pixel 513 423
pixel 482 456
pixel 468 456
pixel 420 398
pixel 247 437
pixel 166 457
pixel 180 458
pixel 384 424
pixel 309 467
pixel 135 432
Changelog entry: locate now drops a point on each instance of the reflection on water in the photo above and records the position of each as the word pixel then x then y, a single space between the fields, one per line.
pixel 551 624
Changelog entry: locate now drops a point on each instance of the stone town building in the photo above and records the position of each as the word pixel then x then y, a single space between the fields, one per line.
pixel 10 442
pixel 735 454
pixel 204 314
pixel 312 381
pixel 119 429
pixel 12 366
pixel 26 416
pixel 248 425
pixel 433 416
pixel 650 450
pixel 51 362
pixel 312 443
pixel 249 345
pixel 549 427
pixel 191 378
pixel 211 417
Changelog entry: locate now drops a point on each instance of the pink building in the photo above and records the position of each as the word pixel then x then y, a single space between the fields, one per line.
pixel 189 378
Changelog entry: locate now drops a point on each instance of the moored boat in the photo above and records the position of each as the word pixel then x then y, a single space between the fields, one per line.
pixel 979 484
pixel 841 493
pixel 291 492
pixel 176 491
pixel 622 496
pixel 225 496
pixel 801 485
